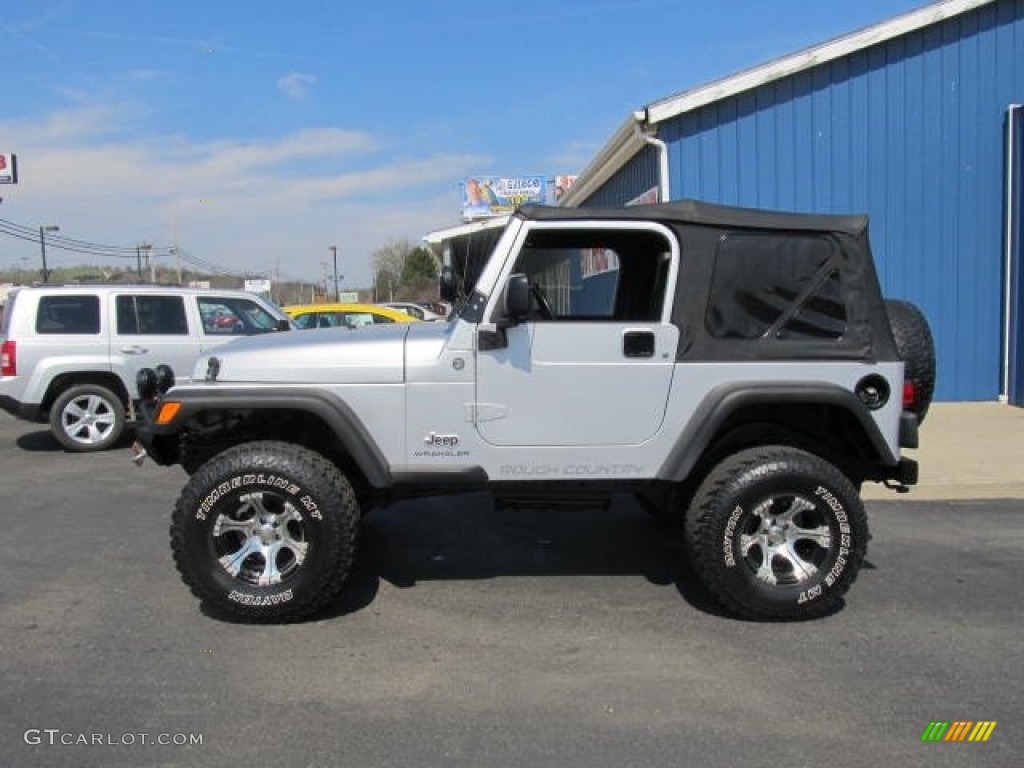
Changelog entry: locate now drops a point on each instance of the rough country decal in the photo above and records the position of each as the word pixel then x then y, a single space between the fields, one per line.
pixel 569 470
pixel 239 481
pixel 247 599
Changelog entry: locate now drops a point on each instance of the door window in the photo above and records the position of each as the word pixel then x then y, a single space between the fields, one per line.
pixel 612 275
pixel 151 316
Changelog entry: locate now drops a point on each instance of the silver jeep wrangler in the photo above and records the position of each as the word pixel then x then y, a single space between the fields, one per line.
pixel 737 370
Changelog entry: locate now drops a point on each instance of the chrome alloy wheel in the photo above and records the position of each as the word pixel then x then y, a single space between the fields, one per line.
pixel 785 540
pixel 263 542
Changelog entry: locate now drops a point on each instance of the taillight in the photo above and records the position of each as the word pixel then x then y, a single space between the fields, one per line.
pixel 909 395
pixel 8 359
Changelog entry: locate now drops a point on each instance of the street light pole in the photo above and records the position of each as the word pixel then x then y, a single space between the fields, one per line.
pixel 42 247
pixel 334 250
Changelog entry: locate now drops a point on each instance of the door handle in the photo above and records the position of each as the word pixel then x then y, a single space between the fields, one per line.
pixel 638 344
pixel 135 349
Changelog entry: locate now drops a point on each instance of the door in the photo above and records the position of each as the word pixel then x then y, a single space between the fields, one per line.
pixel 593 363
pixel 150 330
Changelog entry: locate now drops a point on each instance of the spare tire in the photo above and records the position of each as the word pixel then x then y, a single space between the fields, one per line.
pixel 916 348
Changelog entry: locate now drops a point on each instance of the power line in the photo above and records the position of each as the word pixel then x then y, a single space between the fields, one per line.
pixel 85 247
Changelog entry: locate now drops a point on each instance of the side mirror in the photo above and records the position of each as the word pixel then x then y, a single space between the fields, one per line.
pixel 515 306
pixel 446 284
pixel 517 298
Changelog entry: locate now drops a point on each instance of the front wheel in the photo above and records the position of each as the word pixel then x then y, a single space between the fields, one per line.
pixel 777 533
pixel 265 531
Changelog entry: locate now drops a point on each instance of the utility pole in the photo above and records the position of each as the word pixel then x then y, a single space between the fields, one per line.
pixel 177 253
pixel 150 264
pixel 334 250
pixel 42 247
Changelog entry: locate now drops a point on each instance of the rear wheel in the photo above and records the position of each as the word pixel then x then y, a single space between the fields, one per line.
pixel 777 533
pixel 265 531
pixel 87 417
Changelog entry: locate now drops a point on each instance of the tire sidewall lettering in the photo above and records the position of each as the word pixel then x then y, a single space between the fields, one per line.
pixel 729 537
pixel 260 600
pixel 252 480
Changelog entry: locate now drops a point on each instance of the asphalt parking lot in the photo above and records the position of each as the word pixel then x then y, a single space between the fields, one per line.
pixel 473 637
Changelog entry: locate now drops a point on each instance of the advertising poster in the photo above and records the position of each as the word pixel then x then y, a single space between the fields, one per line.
pixel 8 169
pixel 562 185
pixel 485 196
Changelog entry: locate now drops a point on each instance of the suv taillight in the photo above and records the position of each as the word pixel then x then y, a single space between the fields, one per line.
pixel 909 395
pixel 8 359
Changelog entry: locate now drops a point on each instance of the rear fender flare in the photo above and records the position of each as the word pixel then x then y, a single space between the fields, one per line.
pixel 726 399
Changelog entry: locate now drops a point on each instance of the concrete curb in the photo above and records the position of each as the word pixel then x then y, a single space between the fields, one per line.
pixel 968 451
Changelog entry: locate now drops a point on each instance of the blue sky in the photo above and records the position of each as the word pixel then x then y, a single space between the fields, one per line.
pixel 263 132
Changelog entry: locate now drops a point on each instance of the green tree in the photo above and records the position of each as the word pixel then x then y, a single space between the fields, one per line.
pixel 420 267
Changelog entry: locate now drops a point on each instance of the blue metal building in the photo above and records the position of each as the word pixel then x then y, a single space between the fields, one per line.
pixel 914 122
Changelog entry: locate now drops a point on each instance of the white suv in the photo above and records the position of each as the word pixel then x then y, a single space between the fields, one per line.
pixel 70 354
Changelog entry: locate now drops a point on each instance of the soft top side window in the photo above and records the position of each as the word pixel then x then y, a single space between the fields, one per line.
pixel 596 274
pixel 780 285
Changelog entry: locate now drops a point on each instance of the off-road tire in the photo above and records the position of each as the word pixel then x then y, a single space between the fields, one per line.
pixel 788 504
pixel 87 418
pixel 916 348
pixel 265 498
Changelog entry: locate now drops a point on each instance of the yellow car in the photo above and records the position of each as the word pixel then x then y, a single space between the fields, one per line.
pixel 344 315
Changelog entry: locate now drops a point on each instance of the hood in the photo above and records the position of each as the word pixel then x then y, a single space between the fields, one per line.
pixel 371 355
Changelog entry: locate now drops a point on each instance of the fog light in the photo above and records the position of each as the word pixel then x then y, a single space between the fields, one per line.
pixel 164 378
pixel 145 382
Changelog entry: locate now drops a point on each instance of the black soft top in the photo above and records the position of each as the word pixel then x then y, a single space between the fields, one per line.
pixel 699 212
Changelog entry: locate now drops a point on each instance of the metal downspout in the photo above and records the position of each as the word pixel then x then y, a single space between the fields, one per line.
pixel 1012 184
pixel 664 189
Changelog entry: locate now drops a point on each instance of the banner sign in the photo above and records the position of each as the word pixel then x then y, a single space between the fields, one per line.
pixel 646 198
pixel 597 261
pixel 8 169
pixel 562 185
pixel 484 196
pixel 260 285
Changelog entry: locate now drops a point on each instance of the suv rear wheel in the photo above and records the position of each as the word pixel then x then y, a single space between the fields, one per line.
pixel 87 417
pixel 777 533
pixel 265 531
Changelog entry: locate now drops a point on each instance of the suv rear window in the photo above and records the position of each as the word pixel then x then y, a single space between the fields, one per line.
pixel 778 285
pixel 68 314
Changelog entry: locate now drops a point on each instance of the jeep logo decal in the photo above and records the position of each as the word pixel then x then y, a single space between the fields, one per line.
pixel 435 440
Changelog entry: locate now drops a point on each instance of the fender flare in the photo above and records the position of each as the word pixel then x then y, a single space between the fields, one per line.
pixel 334 411
pixel 725 399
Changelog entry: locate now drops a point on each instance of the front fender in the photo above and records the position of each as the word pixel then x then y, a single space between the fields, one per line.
pixel 334 411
